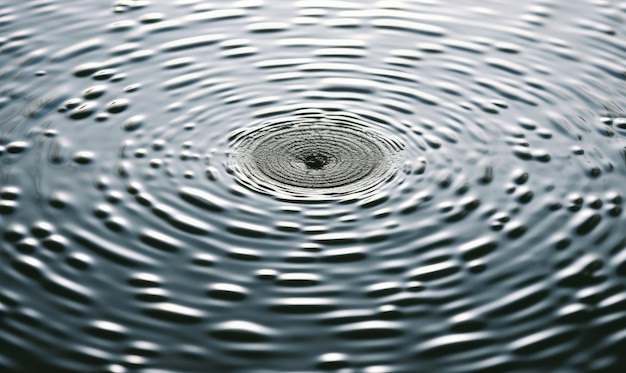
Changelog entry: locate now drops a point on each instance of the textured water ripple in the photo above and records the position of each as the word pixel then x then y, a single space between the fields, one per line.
pixel 315 155
pixel 261 186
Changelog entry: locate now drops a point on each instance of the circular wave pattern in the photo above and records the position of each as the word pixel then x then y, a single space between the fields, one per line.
pixel 158 160
pixel 315 156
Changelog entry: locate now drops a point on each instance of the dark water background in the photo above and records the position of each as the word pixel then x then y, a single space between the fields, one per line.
pixel 130 243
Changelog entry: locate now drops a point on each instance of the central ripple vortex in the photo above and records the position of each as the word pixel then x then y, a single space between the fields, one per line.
pixel 314 154
pixel 315 161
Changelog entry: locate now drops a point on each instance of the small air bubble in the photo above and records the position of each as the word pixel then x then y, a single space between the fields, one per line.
pixel 83 111
pixel 10 193
pixel 27 246
pixel 102 117
pixel 132 88
pixel 266 274
pixel 117 106
pixel 156 163
pixel 8 207
pixel 42 229
pixel 94 92
pixel 152 18
pixel 105 74
pixel 84 157
pixel 55 243
pixel 134 123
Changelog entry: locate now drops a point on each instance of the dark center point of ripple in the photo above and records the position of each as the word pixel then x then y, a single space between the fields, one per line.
pixel 315 161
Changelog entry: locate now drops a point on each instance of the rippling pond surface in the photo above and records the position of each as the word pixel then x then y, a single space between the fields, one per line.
pixel 310 186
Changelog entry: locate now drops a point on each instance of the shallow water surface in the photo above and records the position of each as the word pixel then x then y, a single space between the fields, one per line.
pixel 312 186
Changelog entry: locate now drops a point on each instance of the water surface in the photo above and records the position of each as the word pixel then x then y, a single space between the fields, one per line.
pixel 170 200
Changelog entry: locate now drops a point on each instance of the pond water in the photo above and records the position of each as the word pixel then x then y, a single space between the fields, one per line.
pixel 310 186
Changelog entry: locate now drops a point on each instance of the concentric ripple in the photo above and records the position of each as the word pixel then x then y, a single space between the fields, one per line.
pixel 258 186
pixel 310 155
